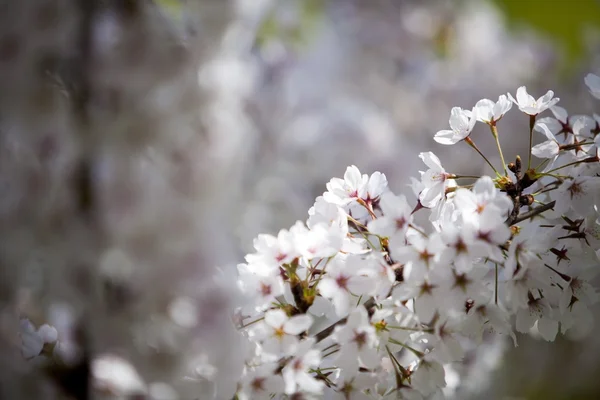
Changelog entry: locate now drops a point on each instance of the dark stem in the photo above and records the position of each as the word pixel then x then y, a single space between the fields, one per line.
pixel 533 213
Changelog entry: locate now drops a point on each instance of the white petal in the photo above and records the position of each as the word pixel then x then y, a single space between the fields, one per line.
pixel 523 99
pixel 447 137
pixel 32 344
pixel 547 149
pixel 548 328
pixel 525 320
pixel 48 333
pixel 275 318
pixel 298 324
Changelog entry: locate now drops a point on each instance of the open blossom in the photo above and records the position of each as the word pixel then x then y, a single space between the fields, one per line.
pixel 461 124
pixel 357 340
pixel 549 148
pixel 355 186
pixel 397 216
pixel 271 252
pixel 529 105
pixel 489 112
pixel 279 332
pixel 434 180
pixel 296 372
pixel 345 279
pixel 593 83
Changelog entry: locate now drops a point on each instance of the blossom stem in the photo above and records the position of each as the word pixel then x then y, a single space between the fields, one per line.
pixel 251 323
pixel 407 347
pixel 495 134
pixel 455 176
pixel 331 352
pixel 406 328
pixel 474 146
pixel 568 165
pixel 417 229
pixel 531 125
pixel 496 285
pixel 322 272
pixel 329 347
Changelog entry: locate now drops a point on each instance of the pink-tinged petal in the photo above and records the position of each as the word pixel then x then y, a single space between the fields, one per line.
pixel 275 318
pixel 298 324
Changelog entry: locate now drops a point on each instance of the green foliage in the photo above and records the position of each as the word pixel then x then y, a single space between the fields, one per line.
pixel 297 35
pixel 173 8
pixel 563 21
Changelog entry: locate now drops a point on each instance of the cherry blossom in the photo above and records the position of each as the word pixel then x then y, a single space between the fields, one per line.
pixel 489 112
pixel 529 105
pixel 461 124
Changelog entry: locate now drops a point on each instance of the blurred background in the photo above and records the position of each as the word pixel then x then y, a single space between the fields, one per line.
pixel 286 94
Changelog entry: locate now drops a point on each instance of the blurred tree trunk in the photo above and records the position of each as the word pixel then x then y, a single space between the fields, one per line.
pixel 112 197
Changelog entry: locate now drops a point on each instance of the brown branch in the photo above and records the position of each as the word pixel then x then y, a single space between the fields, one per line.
pixel 534 212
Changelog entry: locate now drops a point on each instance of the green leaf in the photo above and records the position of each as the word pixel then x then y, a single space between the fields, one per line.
pixel 564 22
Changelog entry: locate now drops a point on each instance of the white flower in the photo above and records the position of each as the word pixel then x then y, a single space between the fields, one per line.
pixel 280 332
pixel 538 310
pixel 353 388
pixel 429 376
pixel 484 201
pixel 318 242
pixel 32 343
pixel 419 256
pixel 33 340
pixel 357 340
pixel 434 181
pixel 115 375
pixel 578 194
pixel 345 191
pixel 461 122
pixel 271 252
pixel 529 105
pixel 260 383
pixel 489 112
pixel 345 277
pixel 593 83
pixel 261 290
pixel 295 373
pixel 397 216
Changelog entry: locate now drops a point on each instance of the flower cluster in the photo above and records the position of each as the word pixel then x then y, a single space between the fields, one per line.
pixel 377 293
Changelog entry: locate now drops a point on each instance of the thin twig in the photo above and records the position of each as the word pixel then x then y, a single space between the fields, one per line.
pixel 533 213
pixel 327 331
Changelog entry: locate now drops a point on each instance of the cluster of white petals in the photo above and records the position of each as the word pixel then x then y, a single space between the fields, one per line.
pixel 361 301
